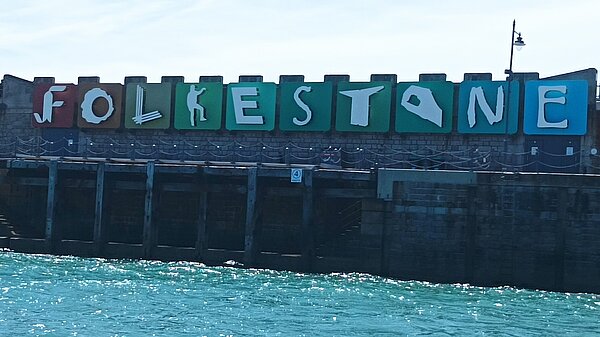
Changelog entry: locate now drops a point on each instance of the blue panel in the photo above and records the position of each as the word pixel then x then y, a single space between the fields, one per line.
pixel 510 114
pixel 569 107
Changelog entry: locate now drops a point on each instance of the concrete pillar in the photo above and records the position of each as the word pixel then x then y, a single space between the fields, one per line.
pixel 251 216
pixel 308 235
pixel 149 233
pixel 99 225
pixel 50 231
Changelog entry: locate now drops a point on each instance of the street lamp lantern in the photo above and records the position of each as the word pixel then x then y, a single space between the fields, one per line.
pixel 519 43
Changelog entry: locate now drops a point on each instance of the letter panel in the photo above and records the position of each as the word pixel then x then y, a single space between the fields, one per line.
pixel 484 107
pixel 556 107
pixel 100 106
pixel 148 105
pixel 198 106
pixel 424 107
pixel 363 106
pixel 54 105
pixel 251 106
pixel 305 106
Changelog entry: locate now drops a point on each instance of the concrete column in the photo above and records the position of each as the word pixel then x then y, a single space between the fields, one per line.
pixel 149 233
pixel 201 238
pixel 308 235
pixel 99 225
pixel 50 232
pixel 250 236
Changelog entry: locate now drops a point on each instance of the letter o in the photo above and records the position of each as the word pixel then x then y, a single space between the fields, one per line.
pixel 90 97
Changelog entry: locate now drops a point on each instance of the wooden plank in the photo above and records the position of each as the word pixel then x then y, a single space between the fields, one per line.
pixel 342 174
pixel 352 193
pixel 308 239
pixel 250 226
pixel 226 171
pixel 217 188
pixel 201 238
pixel 50 203
pixel 148 230
pixel 99 225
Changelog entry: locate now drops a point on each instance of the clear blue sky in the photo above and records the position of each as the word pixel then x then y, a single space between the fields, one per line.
pixel 114 38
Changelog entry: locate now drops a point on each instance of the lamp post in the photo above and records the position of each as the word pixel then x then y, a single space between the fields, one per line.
pixel 514 43
pixel 519 43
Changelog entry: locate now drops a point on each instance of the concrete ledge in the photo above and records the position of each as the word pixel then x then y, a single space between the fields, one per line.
pixel 170 253
pixel 278 261
pixel 27 245
pixel 76 248
pixel 387 177
pixel 116 250
pixel 4 242
pixel 216 257
pixel 327 264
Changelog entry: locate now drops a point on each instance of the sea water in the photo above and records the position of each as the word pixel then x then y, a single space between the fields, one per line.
pixel 43 295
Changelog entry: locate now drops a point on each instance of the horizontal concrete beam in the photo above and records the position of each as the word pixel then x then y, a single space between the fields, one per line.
pixel 387 177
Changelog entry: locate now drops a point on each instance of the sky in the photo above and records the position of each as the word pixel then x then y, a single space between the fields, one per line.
pixel 112 39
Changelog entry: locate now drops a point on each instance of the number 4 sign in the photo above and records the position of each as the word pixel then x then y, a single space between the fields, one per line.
pixel 296 175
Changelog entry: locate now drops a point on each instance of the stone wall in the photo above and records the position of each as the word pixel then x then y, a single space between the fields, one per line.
pixel 527 230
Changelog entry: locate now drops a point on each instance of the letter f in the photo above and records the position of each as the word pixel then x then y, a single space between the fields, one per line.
pixel 49 104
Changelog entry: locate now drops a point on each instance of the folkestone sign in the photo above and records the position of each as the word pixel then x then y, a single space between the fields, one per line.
pixel 556 107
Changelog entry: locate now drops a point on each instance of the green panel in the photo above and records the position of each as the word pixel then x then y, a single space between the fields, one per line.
pixel 379 107
pixel 210 99
pixel 265 106
pixel 156 97
pixel 442 98
pixel 510 116
pixel 318 100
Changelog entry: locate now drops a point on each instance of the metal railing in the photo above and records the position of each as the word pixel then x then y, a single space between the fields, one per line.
pixel 422 157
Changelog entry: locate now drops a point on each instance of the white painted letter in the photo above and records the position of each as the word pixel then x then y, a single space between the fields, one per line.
pixel 477 95
pixel 49 104
pixel 302 106
pixel 87 112
pixel 193 105
pixel 141 116
pixel 359 111
pixel 427 109
pixel 239 105
pixel 543 100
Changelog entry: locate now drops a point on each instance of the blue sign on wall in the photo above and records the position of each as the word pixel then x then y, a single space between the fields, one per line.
pixel 555 108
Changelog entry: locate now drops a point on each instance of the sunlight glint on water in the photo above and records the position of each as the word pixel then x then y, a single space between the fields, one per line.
pixel 43 295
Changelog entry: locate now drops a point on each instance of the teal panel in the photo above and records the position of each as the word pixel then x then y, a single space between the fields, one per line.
pixel 256 106
pixel 378 107
pixel 509 113
pixel 316 97
pixel 203 111
pixel 431 106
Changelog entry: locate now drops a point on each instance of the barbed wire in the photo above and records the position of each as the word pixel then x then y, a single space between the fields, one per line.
pixel 365 157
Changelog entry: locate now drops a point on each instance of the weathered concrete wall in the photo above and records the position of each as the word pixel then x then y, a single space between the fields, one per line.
pixel 527 230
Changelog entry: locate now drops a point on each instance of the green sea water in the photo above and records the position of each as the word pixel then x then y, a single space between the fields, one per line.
pixel 42 295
